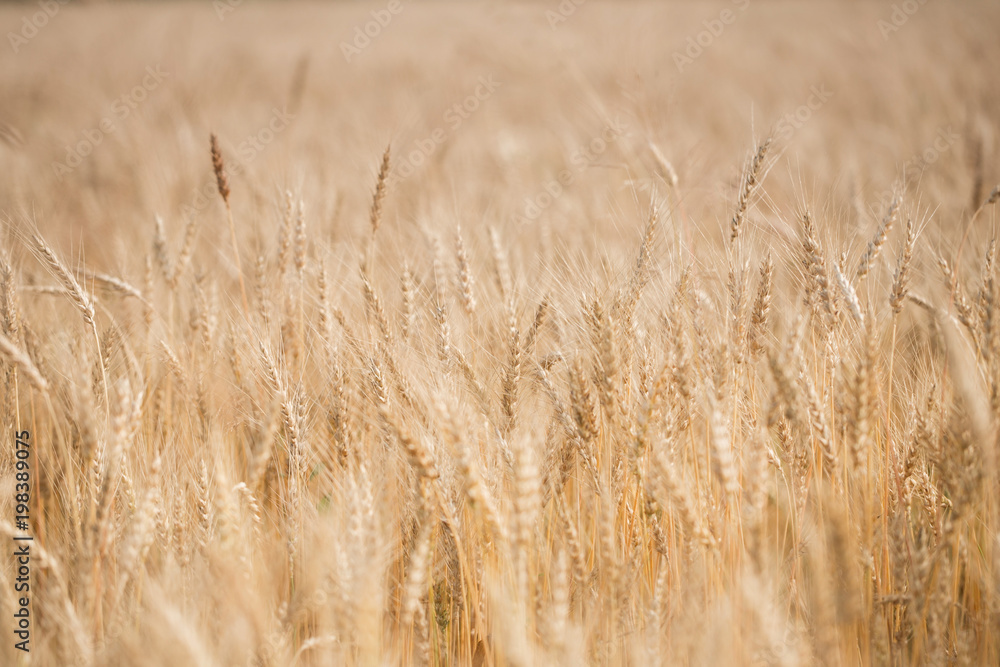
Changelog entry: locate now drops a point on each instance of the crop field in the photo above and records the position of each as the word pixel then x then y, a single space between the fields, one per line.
pixel 561 332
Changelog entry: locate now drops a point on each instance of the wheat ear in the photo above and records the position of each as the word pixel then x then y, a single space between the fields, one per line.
pixel 222 181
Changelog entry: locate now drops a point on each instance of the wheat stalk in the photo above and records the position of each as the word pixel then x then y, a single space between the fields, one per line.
pixel 222 183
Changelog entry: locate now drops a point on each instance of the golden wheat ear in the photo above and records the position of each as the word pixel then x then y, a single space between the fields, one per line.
pixel 378 197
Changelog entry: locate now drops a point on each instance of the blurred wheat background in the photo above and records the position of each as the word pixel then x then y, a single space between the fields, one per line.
pixel 502 333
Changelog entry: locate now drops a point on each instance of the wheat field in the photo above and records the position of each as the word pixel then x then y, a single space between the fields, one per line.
pixel 544 333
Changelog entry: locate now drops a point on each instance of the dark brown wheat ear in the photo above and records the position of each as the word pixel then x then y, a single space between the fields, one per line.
pixel 222 181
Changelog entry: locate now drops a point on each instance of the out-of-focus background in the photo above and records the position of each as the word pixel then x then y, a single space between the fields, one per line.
pixel 860 96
